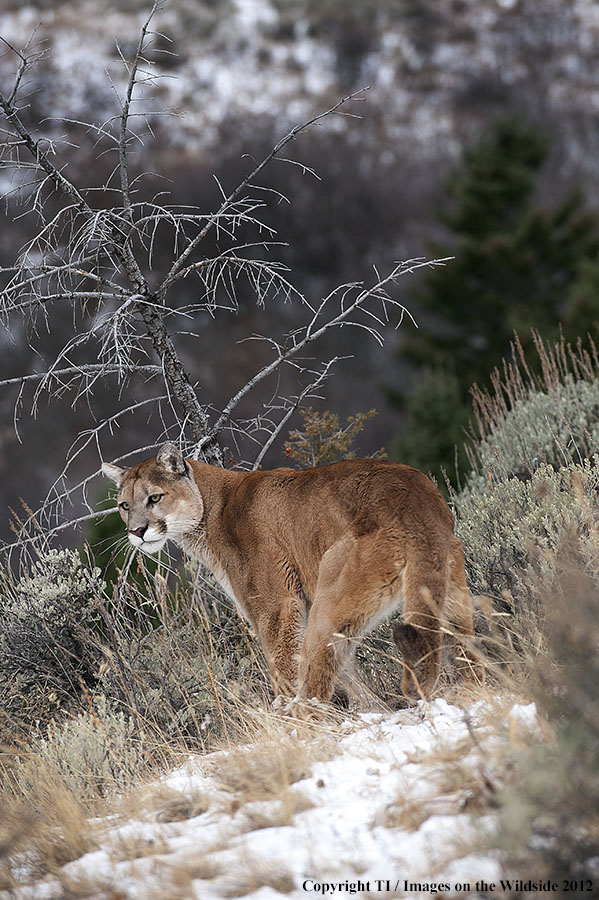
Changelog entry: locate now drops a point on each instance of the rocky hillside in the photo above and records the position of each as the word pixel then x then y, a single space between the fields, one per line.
pixel 239 71
pixel 437 69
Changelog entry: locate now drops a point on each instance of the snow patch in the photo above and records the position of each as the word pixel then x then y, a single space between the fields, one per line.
pixel 353 821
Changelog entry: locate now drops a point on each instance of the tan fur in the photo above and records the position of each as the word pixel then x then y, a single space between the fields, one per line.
pixel 313 558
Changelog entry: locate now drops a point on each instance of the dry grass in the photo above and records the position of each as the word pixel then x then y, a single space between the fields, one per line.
pixel 255 876
pixel 465 778
pixel 16 827
pixel 158 802
pixel 561 367
pixel 202 868
pixel 280 754
pixel 89 887
pixel 289 803
pixel 176 880
pixel 134 846
pixel 56 825
pixel 177 806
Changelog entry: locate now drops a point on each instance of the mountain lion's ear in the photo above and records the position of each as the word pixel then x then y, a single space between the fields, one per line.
pixel 114 472
pixel 169 457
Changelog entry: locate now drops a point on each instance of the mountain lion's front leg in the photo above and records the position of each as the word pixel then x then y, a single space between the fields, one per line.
pixel 279 624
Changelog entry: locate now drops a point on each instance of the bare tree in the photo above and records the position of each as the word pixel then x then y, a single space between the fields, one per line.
pixel 94 252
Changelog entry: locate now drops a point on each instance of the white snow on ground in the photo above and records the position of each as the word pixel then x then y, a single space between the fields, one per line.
pixel 385 809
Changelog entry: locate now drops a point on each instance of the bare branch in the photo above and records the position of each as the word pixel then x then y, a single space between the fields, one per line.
pixel 95 254
pixel 23 540
pixel 308 391
pixel 314 330
pixel 126 107
pixel 297 129
pixel 83 371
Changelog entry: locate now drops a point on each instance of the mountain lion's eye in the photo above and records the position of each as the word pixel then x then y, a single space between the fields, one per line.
pixel 155 498
pixel 124 505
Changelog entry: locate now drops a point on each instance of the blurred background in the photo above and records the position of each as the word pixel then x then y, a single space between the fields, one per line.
pixel 478 139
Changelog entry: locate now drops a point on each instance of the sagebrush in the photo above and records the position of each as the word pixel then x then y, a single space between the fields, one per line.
pixel 45 652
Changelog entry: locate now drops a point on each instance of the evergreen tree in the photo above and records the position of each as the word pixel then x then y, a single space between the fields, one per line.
pixel 436 422
pixel 517 265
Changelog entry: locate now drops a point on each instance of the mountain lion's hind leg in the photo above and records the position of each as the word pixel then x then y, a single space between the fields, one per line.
pixel 418 635
pixel 358 582
pixel 459 615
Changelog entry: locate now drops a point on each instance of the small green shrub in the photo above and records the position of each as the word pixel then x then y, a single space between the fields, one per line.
pixel 534 484
pixel 322 439
pixel 528 419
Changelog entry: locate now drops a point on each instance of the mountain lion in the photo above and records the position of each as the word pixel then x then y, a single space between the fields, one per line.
pixel 313 558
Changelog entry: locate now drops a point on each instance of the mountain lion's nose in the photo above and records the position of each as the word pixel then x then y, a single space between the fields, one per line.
pixel 138 532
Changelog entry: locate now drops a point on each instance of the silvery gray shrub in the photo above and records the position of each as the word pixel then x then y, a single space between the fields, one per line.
pixel 46 654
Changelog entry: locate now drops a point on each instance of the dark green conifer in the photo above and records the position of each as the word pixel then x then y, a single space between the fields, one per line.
pixel 518 264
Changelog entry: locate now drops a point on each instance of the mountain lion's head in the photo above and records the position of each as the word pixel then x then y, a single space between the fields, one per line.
pixel 158 499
